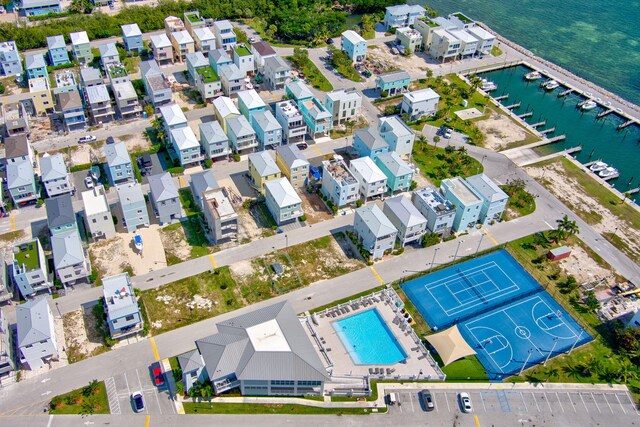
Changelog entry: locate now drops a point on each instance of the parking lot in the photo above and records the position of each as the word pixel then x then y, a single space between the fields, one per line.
pixel 156 399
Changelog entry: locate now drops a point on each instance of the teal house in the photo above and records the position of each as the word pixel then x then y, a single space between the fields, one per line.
pixel 298 91
pixel 466 199
pixel 35 65
pixel 249 103
pixel 393 83
pixel 399 174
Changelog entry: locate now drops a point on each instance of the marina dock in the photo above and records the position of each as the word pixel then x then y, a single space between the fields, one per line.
pixel 525 115
pixel 512 106
pixel 501 97
pixel 565 93
pixel 535 125
pixel 546 131
pixel 604 113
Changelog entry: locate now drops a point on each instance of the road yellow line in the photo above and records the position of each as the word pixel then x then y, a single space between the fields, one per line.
pixel 317 150
pixel 213 261
pixel 475 418
pixel 495 242
pixel 377 275
pixel 182 184
pixel 13 223
pixel 155 349
pixel 146 421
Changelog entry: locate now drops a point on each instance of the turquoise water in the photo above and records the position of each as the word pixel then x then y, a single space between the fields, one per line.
pixel 597 40
pixel 599 138
pixel 368 340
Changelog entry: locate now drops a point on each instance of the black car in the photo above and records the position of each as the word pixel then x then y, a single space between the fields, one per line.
pixel 110 140
pixel 330 41
pixel 302 146
pixel 427 400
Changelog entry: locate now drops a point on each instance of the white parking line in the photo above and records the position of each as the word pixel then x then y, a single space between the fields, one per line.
pixel 127 383
pixel 618 399
pixel 548 403
pixel 558 397
pixel 585 405
pixel 595 401
pixel 524 403
pixel 446 398
pixel 483 405
pixel 536 401
pixel 633 404
pixel 433 396
pixel 572 404
pixel 146 408
pixel 411 401
pixel 607 400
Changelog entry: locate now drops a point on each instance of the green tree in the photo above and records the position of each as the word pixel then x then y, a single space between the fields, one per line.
pixel 626 371
pixel 81 6
pixel 90 388
pixel 591 301
pixel 430 239
pixel 429 74
pixel 436 139
pixel 569 227
pixel 422 141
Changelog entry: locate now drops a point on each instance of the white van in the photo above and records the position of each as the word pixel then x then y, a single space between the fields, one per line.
pixel 391 398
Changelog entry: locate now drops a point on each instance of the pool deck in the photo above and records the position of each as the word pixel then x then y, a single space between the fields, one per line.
pixel 418 365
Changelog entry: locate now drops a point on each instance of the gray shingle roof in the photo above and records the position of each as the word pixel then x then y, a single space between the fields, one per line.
pixel 371 138
pixel 405 211
pixel 162 187
pixel 190 361
pixel 52 167
pixel 108 49
pixel 276 64
pixel 60 210
pixel 69 100
pixel 117 154
pixel 292 156
pixel 263 163
pixel 219 56
pixel 32 320
pixel 16 146
pixel 67 249
pixel 197 60
pixel 376 220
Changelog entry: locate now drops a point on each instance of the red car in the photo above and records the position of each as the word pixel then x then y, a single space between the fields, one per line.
pixel 158 376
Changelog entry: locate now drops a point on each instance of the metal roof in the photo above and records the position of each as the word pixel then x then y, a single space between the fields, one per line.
pixel 225 106
pixel 182 37
pixel 32 319
pixel 292 156
pixel 34 60
pixel 394 164
pixel 231 72
pixel 90 74
pixel 282 192
pixel 108 49
pixel 190 361
pixel 394 76
pixel 131 30
pixel 265 121
pixel 97 94
pixel 353 37
pixel 375 220
pixel 162 187
pixel 203 34
pixel 56 42
pixel 240 126
pixel 129 194
pixel 263 163
pixel 367 169
pixel 203 181
pixel 488 189
pixel 299 90
pixel 276 64
pixel 212 132
pixel 405 9
pixel 370 138
pixel 427 94
pixel 172 114
pixel 60 210
pixel 404 211
pixel 19 174
pixel 119 296
pixel 250 99
pixel 219 56
pixel 184 138
pixel 80 37
pixel 461 189
pixel 67 249
pixel 52 167
pixel 197 60
pixel 160 41
pixel 395 125
pixel 117 154
pixel 223 25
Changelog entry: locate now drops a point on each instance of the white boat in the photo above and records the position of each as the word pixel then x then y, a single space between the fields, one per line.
pixel 551 85
pixel 488 86
pixel 533 75
pixel 608 172
pixel 598 166
pixel 137 241
pixel 587 105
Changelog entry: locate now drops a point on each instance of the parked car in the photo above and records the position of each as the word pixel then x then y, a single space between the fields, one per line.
pixel 138 401
pixel 302 146
pixel 88 181
pixel 252 39
pixel 465 402
pixel 88 138
pixel 392 399
pixel 448 133
pixel 158 375
pixel 427 400
pixel 110 140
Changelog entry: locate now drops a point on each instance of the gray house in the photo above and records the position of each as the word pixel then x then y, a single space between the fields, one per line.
pixel 201 182
pixel 193 369
pixel 277 72
pixel 155 85
pixel 263 353
pixel 438 211
pixel 21 182
pixel 222 219
pixel 133 207
pixel 6 347
pixel 60 215
pixel 119 168
pixel 164 198
pixel 36 333
pixel 97 214
pixel 55 176
pixel 407 219
pixel 494 200
pixel 30 268
pixel 213 140
pixel 282 200
pixel 374 230
pixel 121 306
pixel 69 257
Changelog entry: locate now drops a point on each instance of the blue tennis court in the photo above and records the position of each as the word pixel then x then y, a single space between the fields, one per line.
pixel 457 293
pixel 526 331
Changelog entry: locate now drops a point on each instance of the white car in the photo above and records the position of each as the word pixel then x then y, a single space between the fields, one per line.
pixel 88 181
pixel 448 133
pixel 88 138
pixel 465 402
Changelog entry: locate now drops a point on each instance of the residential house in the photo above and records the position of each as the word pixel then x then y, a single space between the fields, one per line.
pixel 241 135
pixel 186 146
pixel 343 104
pixel 161 48
pixel 354 46
pixel 60 215
pixel 317 118
pixel 409 39
pixel 126 100
pixel 439 212
pixel 214 142
pixel 399 174
pixel 262 168
pixel 71 109
pixel 97 214
pixel 290 118
pixel 39 7
pixel 444 45
pixel 367 142
pixel 36 335
pixel 35 65
pixel 339 185
pixel 10 62
pixel 133 207
pixel 16 119
pixel 200 183
pixel 132 37
pixel 17 150
pixel 102 3
pixel 221 218
pixel 406 218
pixel 40 94
pixel 192 368
pixel 393 83
pixel 172 118
pixel 55 175
pixel 207 81
pixel 420 103
pixel 468 43
pixel 121 306
pixel 90 76
pixel 372 182
pixel 6 294
pixel 164 198
pixel 402 15
pixel 232 79
pixel 249 102
pixel 108 55
pixel 426 26
pixel 57 49
pixel 297 91
pixel 7 355
pixel 284 364
pixel 225 37
pixel 119 168
pixel 205 40
pixel 243 58
pixel 494 200
pixel 81 47
pixel 282 201
pixel 467 201
pixel 461 21
pixel 69 258
pixel 293 164
pixel 99 104
pixel 268 130
pixel 397 134
pixel 277 72
pixel 486 40
pixel 183 44
pixel 173 24
pixel 65 82
pixel 374 230
pixel 218 58
pixel 30 272
pixel 21 183
pixel 193 21
pixel 155 84
pixel 261 51
pixel 224 109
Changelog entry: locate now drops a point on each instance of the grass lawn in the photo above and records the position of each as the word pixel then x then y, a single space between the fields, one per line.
pixel 521 202
pixel 267 408
pixel 313 74
pixel 12 235
pixel 466 369
pixel 132 64
pixel 190 300
pixel 78 402
pixel 496 51
pixel 436 164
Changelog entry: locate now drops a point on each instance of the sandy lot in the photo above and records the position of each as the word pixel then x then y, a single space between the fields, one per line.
pixel 385 61
pixel 81 337
pixel 500 131
pixel 313 207
pixel 175 243
pixel 582 266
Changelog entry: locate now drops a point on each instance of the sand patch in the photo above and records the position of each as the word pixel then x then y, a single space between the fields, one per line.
pixel 581 266
pixel 500 131
pixel 175 243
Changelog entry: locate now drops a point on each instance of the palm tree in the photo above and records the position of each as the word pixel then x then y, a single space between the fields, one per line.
pixel 552 372
pixel 557 235
pixel 626 371
pixel 573 371
pixel 436 139
pixel 422 141
pixel 570 227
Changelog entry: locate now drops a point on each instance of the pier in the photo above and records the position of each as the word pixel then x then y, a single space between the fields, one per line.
pixel 511 107
pixel 633 190
pixel 625 124
pixel 501 97
pixel 557 138
pixel 610 177
pixel 535 125
pixel 604 113
pixel 550 130
pixel 525 115
pixel 565 93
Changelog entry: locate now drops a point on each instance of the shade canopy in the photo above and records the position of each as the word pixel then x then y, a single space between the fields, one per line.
pixel 450 345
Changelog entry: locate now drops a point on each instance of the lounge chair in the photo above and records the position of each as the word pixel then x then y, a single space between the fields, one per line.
pixel 371 371
pixel 388 371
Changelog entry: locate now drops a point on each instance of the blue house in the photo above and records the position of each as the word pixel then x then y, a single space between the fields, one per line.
pixel 394 82
pixel 354 45
pixel 218 58
pixel 249 103
pixel 368 143
pixel 10 63
pixel 58 54
pixel 39 7
pixel 132 37
pixel 467 201
pixel 121 306
pixel 119 168
pixel 35 65
pixel 297 91
pixel 268 130
pixel 193 369
pixel 318 120
pixel 399 174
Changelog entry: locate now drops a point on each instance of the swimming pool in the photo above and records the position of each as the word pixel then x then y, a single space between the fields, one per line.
pixel 368 340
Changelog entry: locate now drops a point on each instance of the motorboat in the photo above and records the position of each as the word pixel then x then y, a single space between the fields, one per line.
pixel 137 241
pixel 598 166
pixel 609 172
pixel 551 85
pixel 587 105
pixel 533 75
pixel 488 86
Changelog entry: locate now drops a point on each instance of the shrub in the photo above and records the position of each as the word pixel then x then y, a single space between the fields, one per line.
pixel 208 163
pixel 303 218
pixel 384 94
pixel 359 203
pixel 236 157
pixel 334 209
pixel 430 239
pixel 177 170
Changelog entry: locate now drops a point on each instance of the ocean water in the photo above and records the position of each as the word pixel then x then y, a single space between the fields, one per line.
pixel 596 40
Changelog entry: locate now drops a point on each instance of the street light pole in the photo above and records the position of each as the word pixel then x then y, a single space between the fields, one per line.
pixel 525 362
pixel 455 256
pixel 433 260
pixel 555 341
pixel 482 161
pixel 480 243
pixel 286 247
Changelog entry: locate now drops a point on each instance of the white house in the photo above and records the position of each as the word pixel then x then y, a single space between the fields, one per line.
pixel 402 15
pixel 55 176
pixel 397 134
pixel 374 230
pixel 438 211
pixel 186 146
pixel 343 104
pixel 97 214
pixel 36 333
pixel 339 185
pixel 407 219
pixel 373 182
pixel 282 200
pixel 420 103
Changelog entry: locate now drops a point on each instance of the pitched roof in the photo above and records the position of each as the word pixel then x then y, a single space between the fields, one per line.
pixel 184 138
pixel 160 41
pixel 370 138
pixel 402 208
pixel 231 72
pixel 376 220
pixel 182 37
pixel 422 95
pixel 117 154
pixel 203 181
pixel 172 114
pixel 223 25
pixel 487 187
pixel 19 174
pixel 292 156
pixel 394 76
pixel 367 169
pixel 197 60
pixel 32 319
pixel 108 49
pixel 89 74
pixel 69 100
pixel 212 132
pixel 299 90
pixel 251 99
pixel 276 64
pixel 52 167
pixel 219 56
pixel 265 121
pixel 34 60
pixel 56 42
pixel 263 163
pixel 203 34
pixel 16 146
pixel 394 163
pixel 162 187
pixel 131 30
pixel 67 249
pixel 395 125
pixel 268 343
pixel 60 210
pixel 240 126
pixel 80 37
pixel 263 48
pixel 190 361
pixel 282 192
pixel 225 106
pixel 353 37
